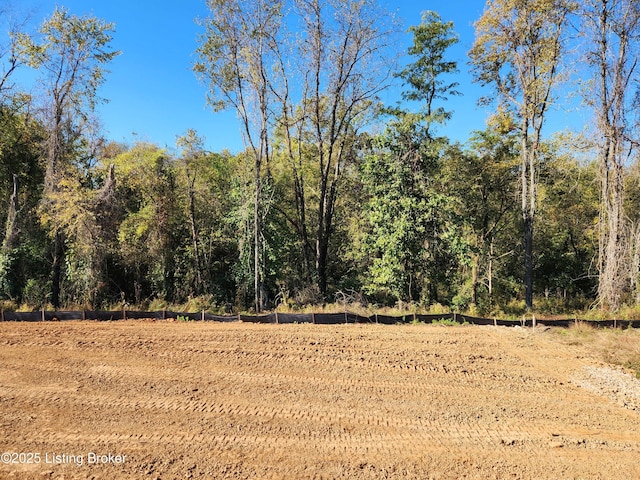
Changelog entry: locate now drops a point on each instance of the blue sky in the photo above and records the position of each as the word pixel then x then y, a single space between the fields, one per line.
pixel 154 95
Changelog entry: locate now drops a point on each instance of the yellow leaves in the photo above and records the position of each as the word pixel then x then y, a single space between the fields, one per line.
pixel 27 50
pixel 138 167
pixel 508 26
pixel 502 121
pixel 136 226
pixel 69 209
pixel 137 235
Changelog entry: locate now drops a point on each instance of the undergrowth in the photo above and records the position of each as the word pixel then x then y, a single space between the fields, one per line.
pixel 552 308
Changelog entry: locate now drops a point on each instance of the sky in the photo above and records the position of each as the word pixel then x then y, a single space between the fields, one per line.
pixel 153 94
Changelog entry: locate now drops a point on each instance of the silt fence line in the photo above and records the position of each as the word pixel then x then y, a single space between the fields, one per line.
pixel 299 318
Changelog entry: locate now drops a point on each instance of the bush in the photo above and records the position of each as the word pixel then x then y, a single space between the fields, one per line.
pixel 36 293
pixel 437 308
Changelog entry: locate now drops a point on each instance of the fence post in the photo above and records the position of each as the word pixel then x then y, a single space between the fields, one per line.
pixel 203 314
pixel 277 318
pixel 346 320
pixel 124 313
pixel 313 317
pixel 533 321
pixel 84 317
pixel 43 314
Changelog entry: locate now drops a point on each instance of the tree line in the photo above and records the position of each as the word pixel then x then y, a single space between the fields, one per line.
pixel 335 192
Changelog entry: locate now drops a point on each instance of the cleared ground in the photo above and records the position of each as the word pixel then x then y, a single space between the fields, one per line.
pixel 209 400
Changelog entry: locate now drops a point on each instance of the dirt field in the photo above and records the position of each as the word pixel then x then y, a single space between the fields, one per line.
pixel 208 400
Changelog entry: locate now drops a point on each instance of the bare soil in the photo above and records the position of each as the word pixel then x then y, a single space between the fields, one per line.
pixel 243 401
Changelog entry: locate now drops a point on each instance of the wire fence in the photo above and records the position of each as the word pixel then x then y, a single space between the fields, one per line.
pixel 292 318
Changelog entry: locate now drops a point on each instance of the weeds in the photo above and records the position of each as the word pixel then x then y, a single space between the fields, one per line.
pixel 448 322
pixel 615 346
pixel 635 366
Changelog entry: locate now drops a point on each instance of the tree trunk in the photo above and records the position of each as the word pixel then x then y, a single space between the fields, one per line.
pixel 296 159
pixel 612 278
pixel 257 283
pixel 327 202
pixel 614 32
pixel 194 237
pixel 9 244
pixel 490 273
pixel 55 156
pixel 528 261
pixel 322 248
pixel 527 178
pixel 11 233
pixel 474 280
pixel 56 270
pixel 303 235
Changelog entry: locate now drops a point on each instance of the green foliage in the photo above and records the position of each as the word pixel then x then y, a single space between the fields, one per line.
pixel 447 322
pixel 148 235
pixel 517 52
pixel 424 76
pixel 568 226
pixel 36 293
pixel 463 299
pixel 483 178
pixel 401 219
pixel 71 55
pixel 414 239
pixel 7 285
pixel 20 139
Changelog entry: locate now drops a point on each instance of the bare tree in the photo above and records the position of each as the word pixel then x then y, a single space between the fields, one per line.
pixel 612 30
pixel 517 50
pixel 235 58
pixel 10 54
pixel 193 149
pixel 315 87
pixel 343 47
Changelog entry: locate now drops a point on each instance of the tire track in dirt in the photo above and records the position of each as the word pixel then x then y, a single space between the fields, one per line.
pixel 337 397
pixel 428 430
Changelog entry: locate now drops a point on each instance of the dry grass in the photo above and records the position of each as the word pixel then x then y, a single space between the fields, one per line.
pixel 364 310
pixel 622 347
pixel 614 346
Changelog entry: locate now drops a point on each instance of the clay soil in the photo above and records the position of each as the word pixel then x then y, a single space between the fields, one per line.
pixel 212 400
